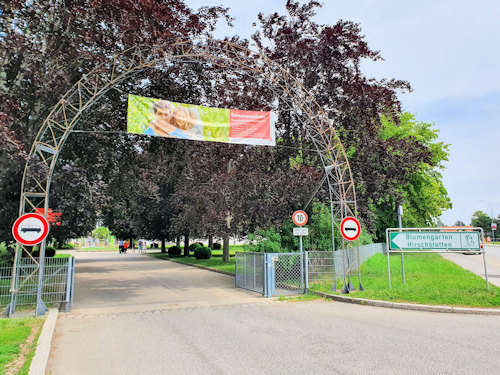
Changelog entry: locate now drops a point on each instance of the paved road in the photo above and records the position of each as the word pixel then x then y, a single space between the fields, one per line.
pixel 204 330
pixel 475 263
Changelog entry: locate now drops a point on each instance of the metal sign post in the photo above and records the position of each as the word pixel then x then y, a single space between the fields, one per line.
pixel 28 230
pixel 302 232
pixel 400 221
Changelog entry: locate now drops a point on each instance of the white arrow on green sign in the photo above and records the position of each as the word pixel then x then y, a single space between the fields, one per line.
pixel 434 241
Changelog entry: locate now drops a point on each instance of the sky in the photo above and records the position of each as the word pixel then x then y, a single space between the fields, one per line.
pixel 449 52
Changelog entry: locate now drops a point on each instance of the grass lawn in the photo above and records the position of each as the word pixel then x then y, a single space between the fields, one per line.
pixel 62 255
pixel 18 338
pixel 215 262
pixel 430 279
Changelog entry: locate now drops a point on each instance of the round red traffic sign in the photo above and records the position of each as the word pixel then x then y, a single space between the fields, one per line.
pixel 299 218
pixel 30 229
pixel 350 228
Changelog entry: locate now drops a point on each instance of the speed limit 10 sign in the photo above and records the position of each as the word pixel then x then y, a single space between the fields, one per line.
pixel 299 218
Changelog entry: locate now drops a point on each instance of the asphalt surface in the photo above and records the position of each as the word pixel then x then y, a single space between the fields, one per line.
pixel 139 315
pixel 475 263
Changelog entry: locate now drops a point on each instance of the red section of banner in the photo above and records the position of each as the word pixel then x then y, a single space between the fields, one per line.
pixel 52 217
pixel 249 124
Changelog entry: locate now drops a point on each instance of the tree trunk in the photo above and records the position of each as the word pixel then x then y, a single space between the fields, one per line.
pixel 225 248
pixel 163 249
pixel 178 241
pixel 211 242
pixel 186 242
pixel 131 243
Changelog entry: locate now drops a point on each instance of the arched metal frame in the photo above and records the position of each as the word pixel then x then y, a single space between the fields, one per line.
pixel 66 113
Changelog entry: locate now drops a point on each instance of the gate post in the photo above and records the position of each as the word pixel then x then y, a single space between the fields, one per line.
pixel 268 275
pixel 306 272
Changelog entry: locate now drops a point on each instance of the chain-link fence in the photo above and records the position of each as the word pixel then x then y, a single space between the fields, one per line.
pixel 288 273
pixel 322 265
pixel 249 271
pixel 58 281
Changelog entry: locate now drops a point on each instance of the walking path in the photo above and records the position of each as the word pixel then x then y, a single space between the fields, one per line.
pixel 134 314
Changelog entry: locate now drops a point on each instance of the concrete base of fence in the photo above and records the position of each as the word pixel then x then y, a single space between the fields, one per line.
pixel 43 346
pixel 409 306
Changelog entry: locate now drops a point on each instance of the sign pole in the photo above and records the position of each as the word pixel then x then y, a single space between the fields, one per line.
pixel 388 260
pixel 400 215
pixel 484 260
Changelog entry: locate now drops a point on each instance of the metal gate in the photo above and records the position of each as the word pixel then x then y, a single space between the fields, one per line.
pixel 271 273
pixel 249 271
pixel 21 290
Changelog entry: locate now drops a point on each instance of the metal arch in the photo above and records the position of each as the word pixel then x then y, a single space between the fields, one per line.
pixel 223 54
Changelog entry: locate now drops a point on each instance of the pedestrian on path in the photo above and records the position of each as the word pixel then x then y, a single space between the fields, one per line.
pixel 121 247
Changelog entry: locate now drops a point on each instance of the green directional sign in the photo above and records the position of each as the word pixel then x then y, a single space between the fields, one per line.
pixel 434 241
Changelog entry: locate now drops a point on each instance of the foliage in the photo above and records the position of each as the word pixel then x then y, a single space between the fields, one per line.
pixel 6 254
pixel 265 241
pixel 174 250
pixel 50 252
pixel 101 233
pixel 423 195
pixel 482 220
pixel 276 240
pixel 459 223
pixel 164 188
pixel 203 252
pixel 66 246
pixel 194 246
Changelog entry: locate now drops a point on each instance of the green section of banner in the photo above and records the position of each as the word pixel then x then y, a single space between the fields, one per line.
pixel 177 120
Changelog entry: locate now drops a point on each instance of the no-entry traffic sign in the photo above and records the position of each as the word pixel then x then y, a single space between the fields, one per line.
pixel 30 229
pixel 350 228
pixel 299 218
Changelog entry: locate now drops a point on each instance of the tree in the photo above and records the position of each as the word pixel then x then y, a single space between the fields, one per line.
pixel 101 233
pixel 459 223
pixel 63 40
pixel 481 220
pixel 423 195
pixel 386 167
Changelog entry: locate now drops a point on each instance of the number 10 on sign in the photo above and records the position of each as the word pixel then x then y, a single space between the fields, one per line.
pixel 299 218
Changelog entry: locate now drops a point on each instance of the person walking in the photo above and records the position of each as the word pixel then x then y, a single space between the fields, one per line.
pixel 139 244
pixel 121 248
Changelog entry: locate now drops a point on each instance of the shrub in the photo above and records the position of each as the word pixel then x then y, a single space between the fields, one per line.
pixel 50 252
pixel 174 250
pixel 217 246
pixel 66 246
pixel 203 252
pixel 194 246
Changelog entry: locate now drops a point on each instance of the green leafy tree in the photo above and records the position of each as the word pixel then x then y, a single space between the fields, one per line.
pixel 481 220
pixel 459 223
pixel 423 196
pixel 101 233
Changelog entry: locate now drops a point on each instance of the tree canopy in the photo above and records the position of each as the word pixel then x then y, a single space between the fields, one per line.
pixel 166 188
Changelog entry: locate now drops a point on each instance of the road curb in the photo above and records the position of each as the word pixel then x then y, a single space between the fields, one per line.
pixel 42 352
pixel 372 302
pixel 409 306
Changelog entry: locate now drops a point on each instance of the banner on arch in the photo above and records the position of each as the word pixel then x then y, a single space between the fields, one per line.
pixel 163 118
